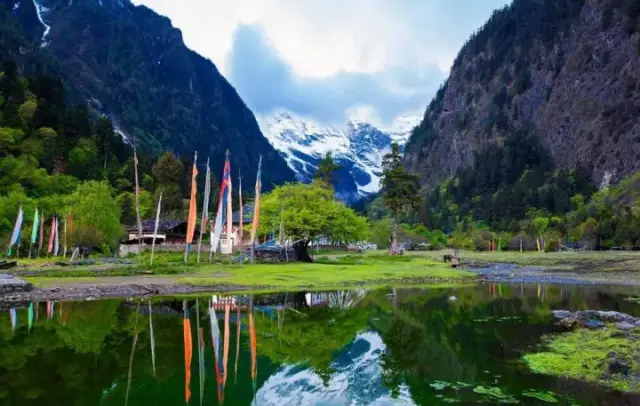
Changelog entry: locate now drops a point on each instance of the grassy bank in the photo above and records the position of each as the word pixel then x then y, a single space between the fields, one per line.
pixel 587 261
pixel 326 272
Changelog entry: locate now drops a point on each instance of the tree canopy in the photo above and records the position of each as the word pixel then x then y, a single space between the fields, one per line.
pixel 310 211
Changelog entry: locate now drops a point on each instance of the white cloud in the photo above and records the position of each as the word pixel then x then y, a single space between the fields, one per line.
pixel 399 43
pixel 319 38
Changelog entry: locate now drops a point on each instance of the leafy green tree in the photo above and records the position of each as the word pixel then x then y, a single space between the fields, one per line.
pixel 399 188
pixel 94 208
pixel 326 168
pixel 168 172
pixel 310 212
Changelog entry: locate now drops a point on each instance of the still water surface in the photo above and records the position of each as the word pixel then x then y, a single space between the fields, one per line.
pixel 358 347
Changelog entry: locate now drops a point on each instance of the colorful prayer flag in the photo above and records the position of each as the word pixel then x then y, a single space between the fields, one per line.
pixel 240 230
pixel 155 228
pixel 256 203
pixel 52 235
pixel 15 236
pixel 205 207
pixel 41 238
pixel 36 224
pixel 229 210
pixel 191 222
pixel 222 201
pixel 56 243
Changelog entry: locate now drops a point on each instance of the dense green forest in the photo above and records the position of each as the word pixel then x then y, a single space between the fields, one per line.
pixel 56 157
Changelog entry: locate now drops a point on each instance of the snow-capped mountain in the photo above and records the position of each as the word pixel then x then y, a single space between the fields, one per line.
pixel 358 148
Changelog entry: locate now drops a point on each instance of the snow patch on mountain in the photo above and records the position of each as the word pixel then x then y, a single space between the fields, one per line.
pixel 356 380
pixel 40 11
pixel 358 147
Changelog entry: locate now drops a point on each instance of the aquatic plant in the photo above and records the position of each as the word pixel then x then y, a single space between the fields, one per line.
pixel 605 356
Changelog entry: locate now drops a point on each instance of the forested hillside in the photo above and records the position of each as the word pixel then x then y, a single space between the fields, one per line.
pixel 55 158
pixel 131 64
pixel 541 109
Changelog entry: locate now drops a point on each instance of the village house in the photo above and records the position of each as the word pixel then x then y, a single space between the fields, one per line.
pixel 169 232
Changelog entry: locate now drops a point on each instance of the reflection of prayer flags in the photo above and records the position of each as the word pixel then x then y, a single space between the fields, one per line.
pixel 30 319
pixel 188 351
pixel 253 343
pixel 34 230
pixel 153 340
pixel 14 318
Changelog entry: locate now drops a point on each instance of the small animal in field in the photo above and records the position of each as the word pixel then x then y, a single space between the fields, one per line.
pixel 447 257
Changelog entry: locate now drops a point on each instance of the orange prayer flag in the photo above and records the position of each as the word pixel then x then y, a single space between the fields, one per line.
pixel 191 222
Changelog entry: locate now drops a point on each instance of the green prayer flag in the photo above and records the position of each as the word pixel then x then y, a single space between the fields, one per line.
pixel 500 245
pixel 36 225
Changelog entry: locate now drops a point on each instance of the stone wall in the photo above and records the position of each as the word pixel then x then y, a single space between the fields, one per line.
pixel 126 249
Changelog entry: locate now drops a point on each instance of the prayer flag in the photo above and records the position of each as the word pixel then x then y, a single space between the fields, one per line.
pixel 191 222
pixel 52 234
pixel 34 230
pixel 256 203
pixel 222 201
pixel 15 236
pixel 240 230
pixel 205 207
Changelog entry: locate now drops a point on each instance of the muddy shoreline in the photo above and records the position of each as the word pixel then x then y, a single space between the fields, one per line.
pixel 104 289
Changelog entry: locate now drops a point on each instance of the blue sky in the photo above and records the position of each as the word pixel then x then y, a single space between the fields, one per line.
pixel 330 59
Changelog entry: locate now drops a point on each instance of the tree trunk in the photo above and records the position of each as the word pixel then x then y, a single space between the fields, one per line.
pixel 394 235
pixel 302 253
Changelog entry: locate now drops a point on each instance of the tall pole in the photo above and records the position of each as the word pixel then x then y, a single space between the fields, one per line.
pixel 135 170
pixel 205 207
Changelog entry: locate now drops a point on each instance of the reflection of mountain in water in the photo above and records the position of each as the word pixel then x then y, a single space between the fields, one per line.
pixel 357 380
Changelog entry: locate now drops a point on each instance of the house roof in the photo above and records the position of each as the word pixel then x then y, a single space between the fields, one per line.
pixel 163 225
pixel 247 215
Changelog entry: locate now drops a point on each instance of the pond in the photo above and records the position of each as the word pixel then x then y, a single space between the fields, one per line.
pixel 460 345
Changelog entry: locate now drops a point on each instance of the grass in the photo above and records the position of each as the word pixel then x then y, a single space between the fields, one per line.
pixel 588 260
pixel 339 271
pixel 584 354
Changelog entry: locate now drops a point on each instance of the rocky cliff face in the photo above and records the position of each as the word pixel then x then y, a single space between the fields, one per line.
pixel 566 71
pixel 131 64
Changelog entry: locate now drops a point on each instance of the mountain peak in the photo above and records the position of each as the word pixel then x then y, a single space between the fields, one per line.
pixel 358 148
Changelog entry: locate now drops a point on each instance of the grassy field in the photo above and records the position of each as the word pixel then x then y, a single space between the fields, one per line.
pixel 328 271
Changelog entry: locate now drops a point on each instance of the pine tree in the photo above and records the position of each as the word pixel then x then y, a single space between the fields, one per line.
pixel 399 188
pixel 326 167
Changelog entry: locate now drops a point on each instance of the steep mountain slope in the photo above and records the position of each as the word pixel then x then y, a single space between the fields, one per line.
pixel 132 65
pixel 565 72
pixel 358 149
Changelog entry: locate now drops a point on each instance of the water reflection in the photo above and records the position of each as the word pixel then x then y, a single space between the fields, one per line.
pixel 407 346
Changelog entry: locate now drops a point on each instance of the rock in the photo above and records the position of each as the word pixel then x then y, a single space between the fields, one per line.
pixel 617 366
pixel 562 314
pixel 11 284
pixel 452 298
pixel 591 324
pixel 623 325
